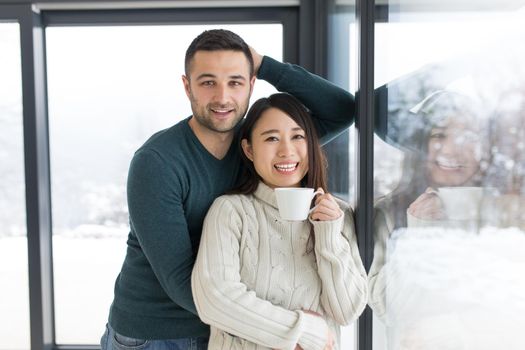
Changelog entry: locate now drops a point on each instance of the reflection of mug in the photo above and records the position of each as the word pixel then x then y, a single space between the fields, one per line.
pixel 294 202
pixel 461 203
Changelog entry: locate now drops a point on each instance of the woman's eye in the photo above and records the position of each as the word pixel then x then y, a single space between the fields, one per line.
pixel 299 137
pixel 271 138
pixel 438 136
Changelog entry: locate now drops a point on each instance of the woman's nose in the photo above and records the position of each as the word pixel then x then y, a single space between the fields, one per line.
pixel 450 144
pixel 285 149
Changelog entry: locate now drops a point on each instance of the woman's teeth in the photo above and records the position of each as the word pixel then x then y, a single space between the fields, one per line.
pixel 286 167
pixel 449 164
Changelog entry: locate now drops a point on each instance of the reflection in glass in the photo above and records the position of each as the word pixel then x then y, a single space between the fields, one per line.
pixel 110 88
pixel 14 295
pixel 449 248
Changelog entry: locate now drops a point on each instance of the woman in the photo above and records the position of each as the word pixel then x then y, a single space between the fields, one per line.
pixel 262 282
pixel 405 280
pixel 448 153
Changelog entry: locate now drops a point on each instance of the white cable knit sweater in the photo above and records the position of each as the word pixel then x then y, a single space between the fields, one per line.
pixel 254 274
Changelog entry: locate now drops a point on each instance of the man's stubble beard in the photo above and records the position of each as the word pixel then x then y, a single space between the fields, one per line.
pixel 203 117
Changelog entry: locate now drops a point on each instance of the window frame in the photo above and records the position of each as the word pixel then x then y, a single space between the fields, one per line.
pixel 306 40
pixel 302 44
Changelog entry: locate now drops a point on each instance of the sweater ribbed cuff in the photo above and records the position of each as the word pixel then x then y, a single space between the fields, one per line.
pixel 413 221
pixel 328 234
pixel 315 332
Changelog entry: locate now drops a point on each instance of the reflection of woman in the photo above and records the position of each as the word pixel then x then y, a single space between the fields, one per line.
pixel 261 282
pixel 449 154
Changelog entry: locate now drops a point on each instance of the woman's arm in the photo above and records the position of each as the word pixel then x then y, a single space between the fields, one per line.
pixel 224 302
pixel 377 280
pixel 344 291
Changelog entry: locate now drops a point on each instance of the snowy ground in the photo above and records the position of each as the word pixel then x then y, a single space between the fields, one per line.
pixel 446 290
pixel 85 271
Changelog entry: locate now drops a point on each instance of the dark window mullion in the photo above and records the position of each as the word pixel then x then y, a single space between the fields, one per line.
pixel 365 156
pixel 167 16
pixel 38 198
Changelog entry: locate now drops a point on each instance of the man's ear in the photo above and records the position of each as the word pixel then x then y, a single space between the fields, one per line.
pixel 252 84
pixel 187 88
pixel 247 149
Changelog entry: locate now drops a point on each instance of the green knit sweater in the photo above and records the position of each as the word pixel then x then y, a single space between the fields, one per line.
pixel 172 182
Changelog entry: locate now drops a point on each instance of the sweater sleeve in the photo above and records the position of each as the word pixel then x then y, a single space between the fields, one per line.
pixel 377 276
pixel 343 276
pixel 157 218
pixel 224 302
pixel 332 108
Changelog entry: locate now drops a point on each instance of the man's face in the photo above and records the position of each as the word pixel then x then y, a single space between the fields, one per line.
pixel 219 87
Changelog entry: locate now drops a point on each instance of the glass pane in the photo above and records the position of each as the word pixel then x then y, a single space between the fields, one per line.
pixel 341 152
pixel 449 177
pixel 110 88
pixel 14 293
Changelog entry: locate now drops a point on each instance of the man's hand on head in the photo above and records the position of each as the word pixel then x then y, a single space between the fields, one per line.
pixel 257 60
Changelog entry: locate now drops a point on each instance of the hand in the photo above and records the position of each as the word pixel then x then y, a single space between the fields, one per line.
pixel 326 208
pixel 257 60
pixel 330 338
pixel 330 342
pixel 427 206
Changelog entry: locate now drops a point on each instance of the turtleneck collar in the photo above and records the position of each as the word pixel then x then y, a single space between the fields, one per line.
pixel 266 194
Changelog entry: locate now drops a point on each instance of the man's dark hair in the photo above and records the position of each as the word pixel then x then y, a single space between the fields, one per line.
pixel 217 40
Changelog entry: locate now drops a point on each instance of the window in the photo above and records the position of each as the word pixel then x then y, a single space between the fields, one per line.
pixel 449 240
pixel 110 88
pixel 14 301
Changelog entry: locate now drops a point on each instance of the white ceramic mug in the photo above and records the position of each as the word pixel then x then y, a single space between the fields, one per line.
pixel 294 202
pixel 461 203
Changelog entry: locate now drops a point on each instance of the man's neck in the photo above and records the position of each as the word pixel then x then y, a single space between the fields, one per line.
pixel 217 143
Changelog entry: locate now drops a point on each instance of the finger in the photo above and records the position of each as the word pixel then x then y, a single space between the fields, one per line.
pixel 424 197
pixel 329 211
pixel 426 200
pixel 326 205
pixel 326 215
pixel 326 202
pixel 431 210
pixel 327 197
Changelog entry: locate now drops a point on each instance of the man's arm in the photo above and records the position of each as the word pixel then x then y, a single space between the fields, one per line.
pixel 157 217
pixel 332 108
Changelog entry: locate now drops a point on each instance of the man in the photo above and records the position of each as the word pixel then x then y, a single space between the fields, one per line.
pixel 175 176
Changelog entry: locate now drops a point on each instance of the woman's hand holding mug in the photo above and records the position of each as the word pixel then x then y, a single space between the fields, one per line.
pixel 427 206
pixel 326 208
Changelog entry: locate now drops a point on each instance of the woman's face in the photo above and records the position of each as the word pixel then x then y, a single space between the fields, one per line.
pixel 453 154
pixel 278 149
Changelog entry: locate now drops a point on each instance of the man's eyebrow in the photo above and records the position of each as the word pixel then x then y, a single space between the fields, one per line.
pixel 206 75
pixel 209 75
pixel 238 76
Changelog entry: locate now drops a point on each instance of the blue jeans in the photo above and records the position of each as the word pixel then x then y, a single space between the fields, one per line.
pixel 111 340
